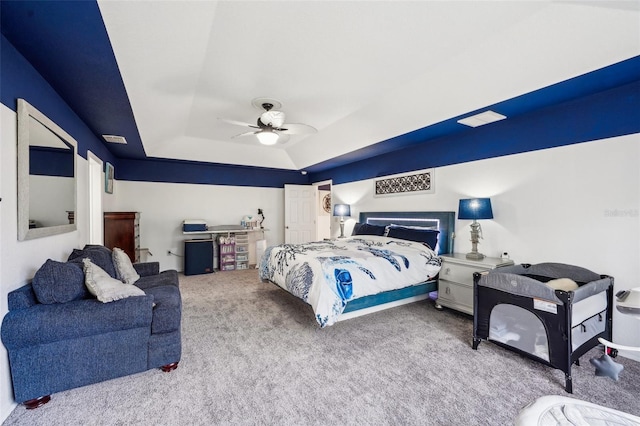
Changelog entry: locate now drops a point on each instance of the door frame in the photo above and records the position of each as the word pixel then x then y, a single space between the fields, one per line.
pixel 95 188
pixel 322 183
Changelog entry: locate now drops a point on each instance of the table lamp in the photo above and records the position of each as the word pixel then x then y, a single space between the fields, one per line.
pixel 342 210
pixel 475 208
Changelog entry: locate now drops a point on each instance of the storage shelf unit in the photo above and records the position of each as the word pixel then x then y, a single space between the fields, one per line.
pixel 227 252
pixel 245 252
pixel 242 251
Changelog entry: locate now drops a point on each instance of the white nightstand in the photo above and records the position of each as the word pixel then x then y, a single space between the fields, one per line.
pixel 455 285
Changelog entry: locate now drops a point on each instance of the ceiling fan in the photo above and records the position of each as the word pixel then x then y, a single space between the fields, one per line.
pixel 270 126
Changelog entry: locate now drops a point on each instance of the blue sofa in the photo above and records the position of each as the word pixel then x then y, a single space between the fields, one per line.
pixel 62 344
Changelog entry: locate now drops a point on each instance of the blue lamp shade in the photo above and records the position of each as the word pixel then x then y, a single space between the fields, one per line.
pixel 475 208
pixel 342 210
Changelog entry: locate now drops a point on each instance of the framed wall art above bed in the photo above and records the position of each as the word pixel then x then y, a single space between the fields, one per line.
pixel 392 260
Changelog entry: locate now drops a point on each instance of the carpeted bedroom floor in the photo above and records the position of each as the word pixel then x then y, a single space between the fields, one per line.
pixel 254 355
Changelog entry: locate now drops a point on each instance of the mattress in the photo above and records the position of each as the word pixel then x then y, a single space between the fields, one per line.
pixel 329 274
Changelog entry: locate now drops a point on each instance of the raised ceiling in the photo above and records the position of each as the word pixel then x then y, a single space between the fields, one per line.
pixel 363 73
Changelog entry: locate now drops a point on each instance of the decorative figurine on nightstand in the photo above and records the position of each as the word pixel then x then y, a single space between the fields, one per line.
pixel 261 214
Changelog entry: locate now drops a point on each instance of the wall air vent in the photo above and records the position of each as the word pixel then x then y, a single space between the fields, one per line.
pixel 482 119
pixel 115 139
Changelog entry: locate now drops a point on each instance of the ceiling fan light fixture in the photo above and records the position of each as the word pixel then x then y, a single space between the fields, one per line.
pixel 267 137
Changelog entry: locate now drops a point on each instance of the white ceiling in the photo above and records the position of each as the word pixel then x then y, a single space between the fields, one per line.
pixel 360 72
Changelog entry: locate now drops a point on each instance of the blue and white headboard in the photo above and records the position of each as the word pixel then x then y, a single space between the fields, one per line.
pixel 442 221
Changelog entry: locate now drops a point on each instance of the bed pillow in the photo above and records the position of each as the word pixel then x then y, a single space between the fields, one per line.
pixel 105 288
pixel 394 225
pixel 125 271
pixel 564 284
pixel 427 236
pixel 367 229
pixel 58 282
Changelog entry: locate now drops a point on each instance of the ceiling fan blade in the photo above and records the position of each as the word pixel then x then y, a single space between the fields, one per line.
pixel 297 129
pixel 239 123
pixel 244 134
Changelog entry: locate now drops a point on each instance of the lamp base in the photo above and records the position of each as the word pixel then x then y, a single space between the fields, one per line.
pixel 474 255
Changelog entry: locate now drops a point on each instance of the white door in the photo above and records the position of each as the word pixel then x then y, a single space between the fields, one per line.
pixel 300 213
pixel 96 186
pixel 323 225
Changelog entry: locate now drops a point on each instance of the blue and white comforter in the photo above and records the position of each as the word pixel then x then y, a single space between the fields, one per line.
pixel 327 274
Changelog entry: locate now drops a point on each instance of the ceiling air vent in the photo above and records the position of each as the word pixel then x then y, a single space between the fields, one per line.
pixel 115 139
pixel 482 119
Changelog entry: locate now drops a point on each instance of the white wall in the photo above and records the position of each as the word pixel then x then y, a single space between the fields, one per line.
pixel 47 192
pixel 19 260
pixel 575 204
pixel 163 207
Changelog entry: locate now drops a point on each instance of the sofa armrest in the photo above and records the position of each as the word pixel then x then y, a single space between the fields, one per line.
pixel 146 269
pixel 22 298
pixel 43 324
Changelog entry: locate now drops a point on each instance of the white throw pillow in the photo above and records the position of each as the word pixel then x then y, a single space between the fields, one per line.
pixel 105 288
pixel 564 284
pixel 124 268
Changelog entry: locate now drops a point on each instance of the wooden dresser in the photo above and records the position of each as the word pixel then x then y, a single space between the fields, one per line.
pixel 122 230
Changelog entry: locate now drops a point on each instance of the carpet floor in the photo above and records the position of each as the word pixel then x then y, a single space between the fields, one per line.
pixel 254 355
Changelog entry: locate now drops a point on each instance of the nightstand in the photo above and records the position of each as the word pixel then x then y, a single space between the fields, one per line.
pixel 455 285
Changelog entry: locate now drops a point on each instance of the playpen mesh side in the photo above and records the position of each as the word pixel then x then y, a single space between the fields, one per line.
pixel 519 328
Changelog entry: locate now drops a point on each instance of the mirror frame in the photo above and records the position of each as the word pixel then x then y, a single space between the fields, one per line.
pixel 25 112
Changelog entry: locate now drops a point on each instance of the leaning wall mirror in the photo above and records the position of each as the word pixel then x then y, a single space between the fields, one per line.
pixel 46 176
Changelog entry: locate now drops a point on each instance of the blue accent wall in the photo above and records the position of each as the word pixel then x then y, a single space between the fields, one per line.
pixel 45 161
pixel 179 171
pixel 19 79
pixel 67 42
pixel 606 114
pixel 600 80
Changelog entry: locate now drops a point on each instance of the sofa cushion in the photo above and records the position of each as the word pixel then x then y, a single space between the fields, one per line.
pixel 104 287
pixel 58 282
pixel 168 277
pixel 147 268
pixel 125 271
pixel 167 308
pixel 99 255
pixel 74 320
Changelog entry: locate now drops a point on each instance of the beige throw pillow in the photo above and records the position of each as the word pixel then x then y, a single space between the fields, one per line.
pixel 105 288
pixel 124 268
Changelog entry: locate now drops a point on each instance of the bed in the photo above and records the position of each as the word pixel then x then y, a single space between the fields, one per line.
pixel 392 258
pixel 550 312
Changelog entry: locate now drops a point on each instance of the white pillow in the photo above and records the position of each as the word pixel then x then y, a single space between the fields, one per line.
pixel 105 288
pixel 124 268
pixel 564 284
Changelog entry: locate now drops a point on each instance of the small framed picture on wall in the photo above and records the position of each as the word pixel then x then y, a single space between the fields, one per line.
pixel 108 178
